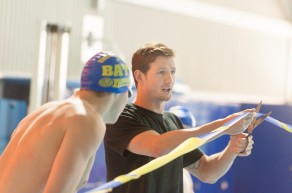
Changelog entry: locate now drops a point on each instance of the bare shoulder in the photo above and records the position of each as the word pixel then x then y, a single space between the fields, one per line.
pixel 83 122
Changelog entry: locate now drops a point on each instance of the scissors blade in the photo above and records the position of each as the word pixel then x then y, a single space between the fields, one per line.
pixel 252 126
pixel 258 107
pixel 262 118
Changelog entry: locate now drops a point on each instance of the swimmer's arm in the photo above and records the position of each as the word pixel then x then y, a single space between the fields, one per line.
pixel 86 173
pixel 79 144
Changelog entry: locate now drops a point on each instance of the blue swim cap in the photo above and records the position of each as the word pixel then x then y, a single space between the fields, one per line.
pixel 105 72
pixel 185 115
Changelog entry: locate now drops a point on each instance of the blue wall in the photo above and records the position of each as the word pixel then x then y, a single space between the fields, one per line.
pixel 269 168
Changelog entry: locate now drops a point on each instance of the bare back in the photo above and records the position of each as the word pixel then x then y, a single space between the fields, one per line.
pixel 54 145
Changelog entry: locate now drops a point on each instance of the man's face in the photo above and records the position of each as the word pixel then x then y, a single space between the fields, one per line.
pixel 160 78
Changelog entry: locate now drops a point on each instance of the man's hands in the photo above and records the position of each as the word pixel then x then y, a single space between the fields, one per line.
pixel 241 125
pixel 239 143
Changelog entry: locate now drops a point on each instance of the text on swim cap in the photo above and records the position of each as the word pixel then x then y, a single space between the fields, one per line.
pixel 114 83
pixel 116 70
pixel 118 83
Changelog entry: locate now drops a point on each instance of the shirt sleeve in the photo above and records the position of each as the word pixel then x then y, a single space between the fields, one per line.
pixel 192 157
pixel 119 135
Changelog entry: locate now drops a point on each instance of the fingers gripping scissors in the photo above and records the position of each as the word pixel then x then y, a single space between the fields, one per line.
pixel 256 122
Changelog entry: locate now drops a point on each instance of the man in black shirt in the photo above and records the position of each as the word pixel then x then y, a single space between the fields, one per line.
pixel 144 131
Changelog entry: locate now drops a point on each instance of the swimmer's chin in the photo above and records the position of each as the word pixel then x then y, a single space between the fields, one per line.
pixel 112 120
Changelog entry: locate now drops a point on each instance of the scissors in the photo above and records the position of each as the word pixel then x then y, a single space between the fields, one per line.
pixel 256 122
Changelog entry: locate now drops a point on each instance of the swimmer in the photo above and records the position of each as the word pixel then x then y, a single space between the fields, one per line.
pixel 53 148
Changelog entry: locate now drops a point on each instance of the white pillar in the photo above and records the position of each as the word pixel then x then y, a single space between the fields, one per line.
pixel 37 79
pixel 50 73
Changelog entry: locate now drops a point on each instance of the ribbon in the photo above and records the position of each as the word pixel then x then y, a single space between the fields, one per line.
pixel 280 124
pixel 185 147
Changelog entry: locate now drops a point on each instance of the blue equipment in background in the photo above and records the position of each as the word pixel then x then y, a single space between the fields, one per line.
pixel 11 111
pixel 14 95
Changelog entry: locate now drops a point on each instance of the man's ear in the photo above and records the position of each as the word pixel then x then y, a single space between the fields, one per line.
pixel 139 77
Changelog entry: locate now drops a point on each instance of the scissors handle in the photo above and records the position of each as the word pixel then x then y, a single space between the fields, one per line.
pixel 246 137
pixel 255 124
